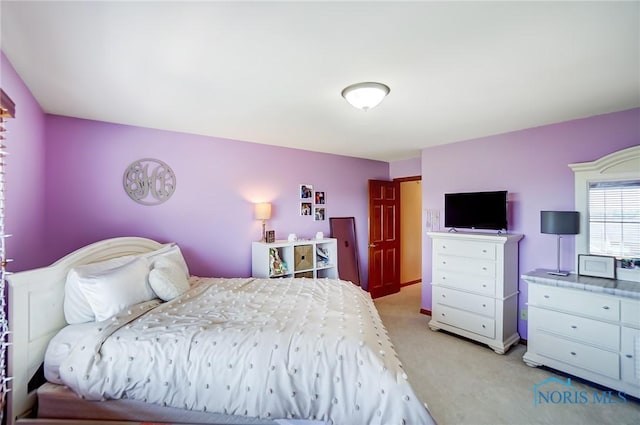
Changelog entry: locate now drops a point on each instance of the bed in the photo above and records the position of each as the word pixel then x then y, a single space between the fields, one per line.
pixel 218 350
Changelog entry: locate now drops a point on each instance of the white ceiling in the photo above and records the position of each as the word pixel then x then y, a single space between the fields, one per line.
pixel 272 72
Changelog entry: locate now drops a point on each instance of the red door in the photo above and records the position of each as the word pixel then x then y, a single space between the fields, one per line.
pixel 384 242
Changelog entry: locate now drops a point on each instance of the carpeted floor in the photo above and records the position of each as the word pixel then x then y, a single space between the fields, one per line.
pixel 464 382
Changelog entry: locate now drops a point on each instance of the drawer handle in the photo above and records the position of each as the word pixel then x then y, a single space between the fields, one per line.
pixel 444 278
pixel 484 268
pixel 574 327
pixel 484 251
pixel 444 296
pixel 483 327
pixel 629 356
pixel 484 286
pixel 444 262
pixel 443 314
pixel 547 296
pixel 606 307
pixel 573 353
pixel 484 305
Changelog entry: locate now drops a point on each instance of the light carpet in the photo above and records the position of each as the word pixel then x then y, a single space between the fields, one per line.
pixel 464 382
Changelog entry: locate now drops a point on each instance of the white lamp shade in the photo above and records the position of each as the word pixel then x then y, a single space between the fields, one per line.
pixel 365 95
pixel 263 211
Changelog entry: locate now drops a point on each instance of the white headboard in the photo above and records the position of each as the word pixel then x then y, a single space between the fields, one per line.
pixel 36 312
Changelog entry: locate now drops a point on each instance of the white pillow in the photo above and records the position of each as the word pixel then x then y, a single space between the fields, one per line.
pixel 76 307
pixel 111 291
pixel 167 279
pixel 171 252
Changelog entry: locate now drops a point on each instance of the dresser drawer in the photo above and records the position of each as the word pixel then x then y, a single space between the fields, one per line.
pixel 630 313
pixel 575 301
pixel 480 285
pixel 590 358
pixel 590 331
pixel 469 249
pixel 464 301
pixel 464 320
pixel 472 266
pixel 629 355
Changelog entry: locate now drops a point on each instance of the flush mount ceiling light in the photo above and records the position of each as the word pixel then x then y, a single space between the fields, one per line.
pixel 365 95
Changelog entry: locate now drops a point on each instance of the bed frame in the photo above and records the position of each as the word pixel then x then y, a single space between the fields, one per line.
pixel 36 313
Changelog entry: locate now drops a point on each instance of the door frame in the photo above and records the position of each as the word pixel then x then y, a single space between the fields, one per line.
pixel 402 180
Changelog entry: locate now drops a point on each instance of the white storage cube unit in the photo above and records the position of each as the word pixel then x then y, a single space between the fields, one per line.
pixel 314 258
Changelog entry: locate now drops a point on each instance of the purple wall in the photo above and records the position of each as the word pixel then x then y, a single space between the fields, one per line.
pixel 532 165
pixel 211 212
pixel 405 168
pixel 24 178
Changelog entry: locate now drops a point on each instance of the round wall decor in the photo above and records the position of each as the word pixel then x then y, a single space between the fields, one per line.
pixel 149 181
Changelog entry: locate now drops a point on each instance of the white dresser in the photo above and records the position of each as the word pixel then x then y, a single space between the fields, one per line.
pixel 475 286
pixel 587 327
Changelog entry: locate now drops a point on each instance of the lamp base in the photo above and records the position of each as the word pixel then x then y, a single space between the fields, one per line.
pixel 558 273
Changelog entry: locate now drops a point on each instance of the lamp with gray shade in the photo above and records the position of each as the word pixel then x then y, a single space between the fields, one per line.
pixel 559 223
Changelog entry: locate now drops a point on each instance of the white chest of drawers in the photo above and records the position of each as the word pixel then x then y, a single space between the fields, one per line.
pixel 575 327
pixel 475 286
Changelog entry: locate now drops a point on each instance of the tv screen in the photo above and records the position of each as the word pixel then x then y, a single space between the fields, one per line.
pixel 476 210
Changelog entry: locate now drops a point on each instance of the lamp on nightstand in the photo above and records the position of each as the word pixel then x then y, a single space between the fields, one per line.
pixel 262 212
pixel 559 223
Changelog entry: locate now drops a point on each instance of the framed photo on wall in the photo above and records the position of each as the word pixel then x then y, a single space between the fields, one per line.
pixel 320 199
pixel 319 214
pixel 306 191
pixel 305 208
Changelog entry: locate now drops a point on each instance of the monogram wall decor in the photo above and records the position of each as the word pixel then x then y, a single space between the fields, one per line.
pixel 149 181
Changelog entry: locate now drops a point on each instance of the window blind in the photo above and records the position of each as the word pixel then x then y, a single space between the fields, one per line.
pixel 7 110
pixel 614 218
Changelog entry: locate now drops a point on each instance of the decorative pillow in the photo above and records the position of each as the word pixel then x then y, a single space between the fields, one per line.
pixel 111 291
pixel 76 307
pixel 172 252
pixel 167 279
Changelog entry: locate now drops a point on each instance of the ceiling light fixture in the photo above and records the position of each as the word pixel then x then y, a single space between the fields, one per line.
pixel 365 95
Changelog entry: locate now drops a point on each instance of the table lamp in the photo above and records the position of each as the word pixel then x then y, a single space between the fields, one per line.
pixel 559 223
pixel 262 212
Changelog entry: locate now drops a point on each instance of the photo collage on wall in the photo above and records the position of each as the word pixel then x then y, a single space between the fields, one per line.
pixel 312 203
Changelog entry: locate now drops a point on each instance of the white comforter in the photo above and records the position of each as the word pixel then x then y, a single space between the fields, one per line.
pixel 270 348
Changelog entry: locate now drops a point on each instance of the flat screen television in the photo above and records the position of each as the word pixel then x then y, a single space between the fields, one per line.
pixel 476 210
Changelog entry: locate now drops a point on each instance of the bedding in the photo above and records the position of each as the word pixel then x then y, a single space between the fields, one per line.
pixel 167 279
pixel 76 306
pixel 59 402
pixel 263 348
pixel 97 291
pixel 111 291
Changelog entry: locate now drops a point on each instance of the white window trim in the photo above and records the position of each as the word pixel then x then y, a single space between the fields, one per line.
pixel 618 166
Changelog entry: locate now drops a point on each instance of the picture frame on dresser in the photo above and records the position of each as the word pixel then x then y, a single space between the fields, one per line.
pixel 270 236
pixel 597 266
